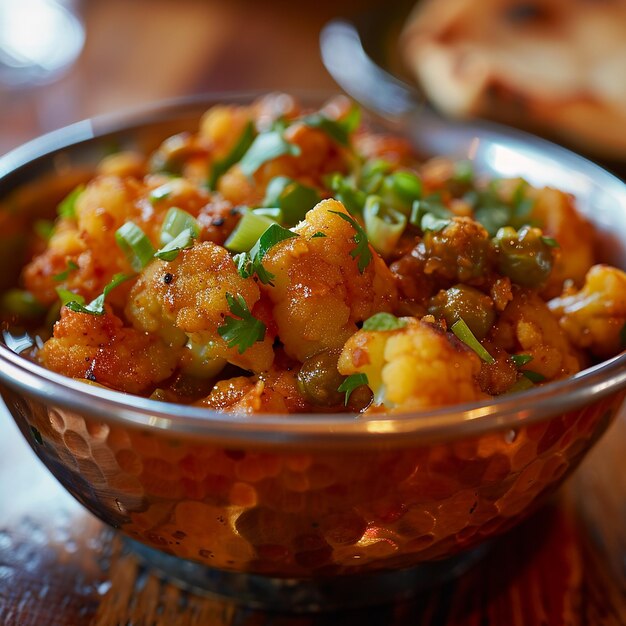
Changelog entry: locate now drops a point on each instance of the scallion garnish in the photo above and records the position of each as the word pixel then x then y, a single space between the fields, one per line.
pixel 361 253
pixel 318 234
pixel 383 322
pixel 234 156
pixel 175 222
pixel 275 214
pixel 348 194
pixel 352 382
pixel 339 130
pixel 243 330
pixel 183 241
pixel 428 206
pixel 535 377
pixel 521 384
pixel 384 225
pixel 463 332
pixel 434 224
pixel 406 185
pixel 247 232
pixel 520 359
pixel 265 147
pixel 67 206
pixel 293 198
pixel 135 245
pixel 160 193
pixel 551 242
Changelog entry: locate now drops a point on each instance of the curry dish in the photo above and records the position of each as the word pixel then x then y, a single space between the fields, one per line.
pixel 281 260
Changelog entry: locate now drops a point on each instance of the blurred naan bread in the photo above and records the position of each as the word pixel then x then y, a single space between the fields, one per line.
pixel 555 65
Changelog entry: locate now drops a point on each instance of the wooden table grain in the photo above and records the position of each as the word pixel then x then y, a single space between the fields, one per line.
pixel 59 566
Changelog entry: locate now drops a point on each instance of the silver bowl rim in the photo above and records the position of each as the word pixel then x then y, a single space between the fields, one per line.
pixel 505 412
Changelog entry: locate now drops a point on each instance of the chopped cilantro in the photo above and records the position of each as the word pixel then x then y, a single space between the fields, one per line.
pixel 361 253
pixel 70 267
pixel 75 302
pixel 383 321
pixel 265 147
pixel 250 263
pixel 352 382
pixel 243 332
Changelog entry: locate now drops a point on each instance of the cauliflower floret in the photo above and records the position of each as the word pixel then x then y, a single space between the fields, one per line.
pixel 594 317
pixel 527 326
pixel 186 298
pixel 554 211
pixel 101 349
pixel 319 294
pixel 415 367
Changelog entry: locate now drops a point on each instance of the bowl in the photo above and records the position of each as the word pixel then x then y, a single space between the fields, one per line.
pixel 305 512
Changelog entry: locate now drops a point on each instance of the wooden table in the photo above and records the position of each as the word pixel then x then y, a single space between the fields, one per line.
pixel 59 566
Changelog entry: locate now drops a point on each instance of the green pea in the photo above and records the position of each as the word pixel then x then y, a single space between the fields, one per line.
pixel 467 303
pixel 524 256
pixel 319 379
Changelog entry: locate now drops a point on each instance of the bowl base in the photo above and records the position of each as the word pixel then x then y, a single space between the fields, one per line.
pixel 293 595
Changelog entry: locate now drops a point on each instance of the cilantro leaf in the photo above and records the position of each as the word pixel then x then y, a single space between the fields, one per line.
pixel 339 130
pixel 61 276
pixel 352 382
pixel 265 147
pixel 75 302
pixel 242 146
pixel 383 321
pixel 250 263
pixel 243 332
pixel 361 253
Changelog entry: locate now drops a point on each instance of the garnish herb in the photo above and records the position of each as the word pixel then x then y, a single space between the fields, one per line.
pixel 250 263
pixel 521 359
pixel 339 130
pixel 428 206
pixel 462 331
pixel 67 206
pixel 75 302
pixel 160 193
pixel 434 224
pixel 44 228
pixel 70 267
pixel 265 147
pixel 135 245
pixel 361 253
pixel 383 321
pixel 406 185
pixel 551 242
pixel 234 156
pixel 348 194
pixel 293 198
pixel 318 234
pixel 175 222
pixel 521 384
pixel 384 225
pixel 247 232
pixel 354 381
pixel 170 251
pixel 243 332
pixel 535 377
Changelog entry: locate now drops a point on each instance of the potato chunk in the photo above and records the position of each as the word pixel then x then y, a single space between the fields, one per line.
pixel 319 294
pixel 416 367
pixel 594 317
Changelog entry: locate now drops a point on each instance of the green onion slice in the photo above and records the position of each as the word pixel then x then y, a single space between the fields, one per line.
pixel 265 147
pixel 234 156
pixel 175 222
pixel 462 331
pixel 247 232
pixel 183 241
pixel 67 206
pixel 293 198
pixel 520 359
pixel 384 225
pixel 135 245
pixel 346 192
pixel 339 130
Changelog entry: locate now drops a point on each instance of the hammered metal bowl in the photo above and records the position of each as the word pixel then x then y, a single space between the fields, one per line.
pixel 289 511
